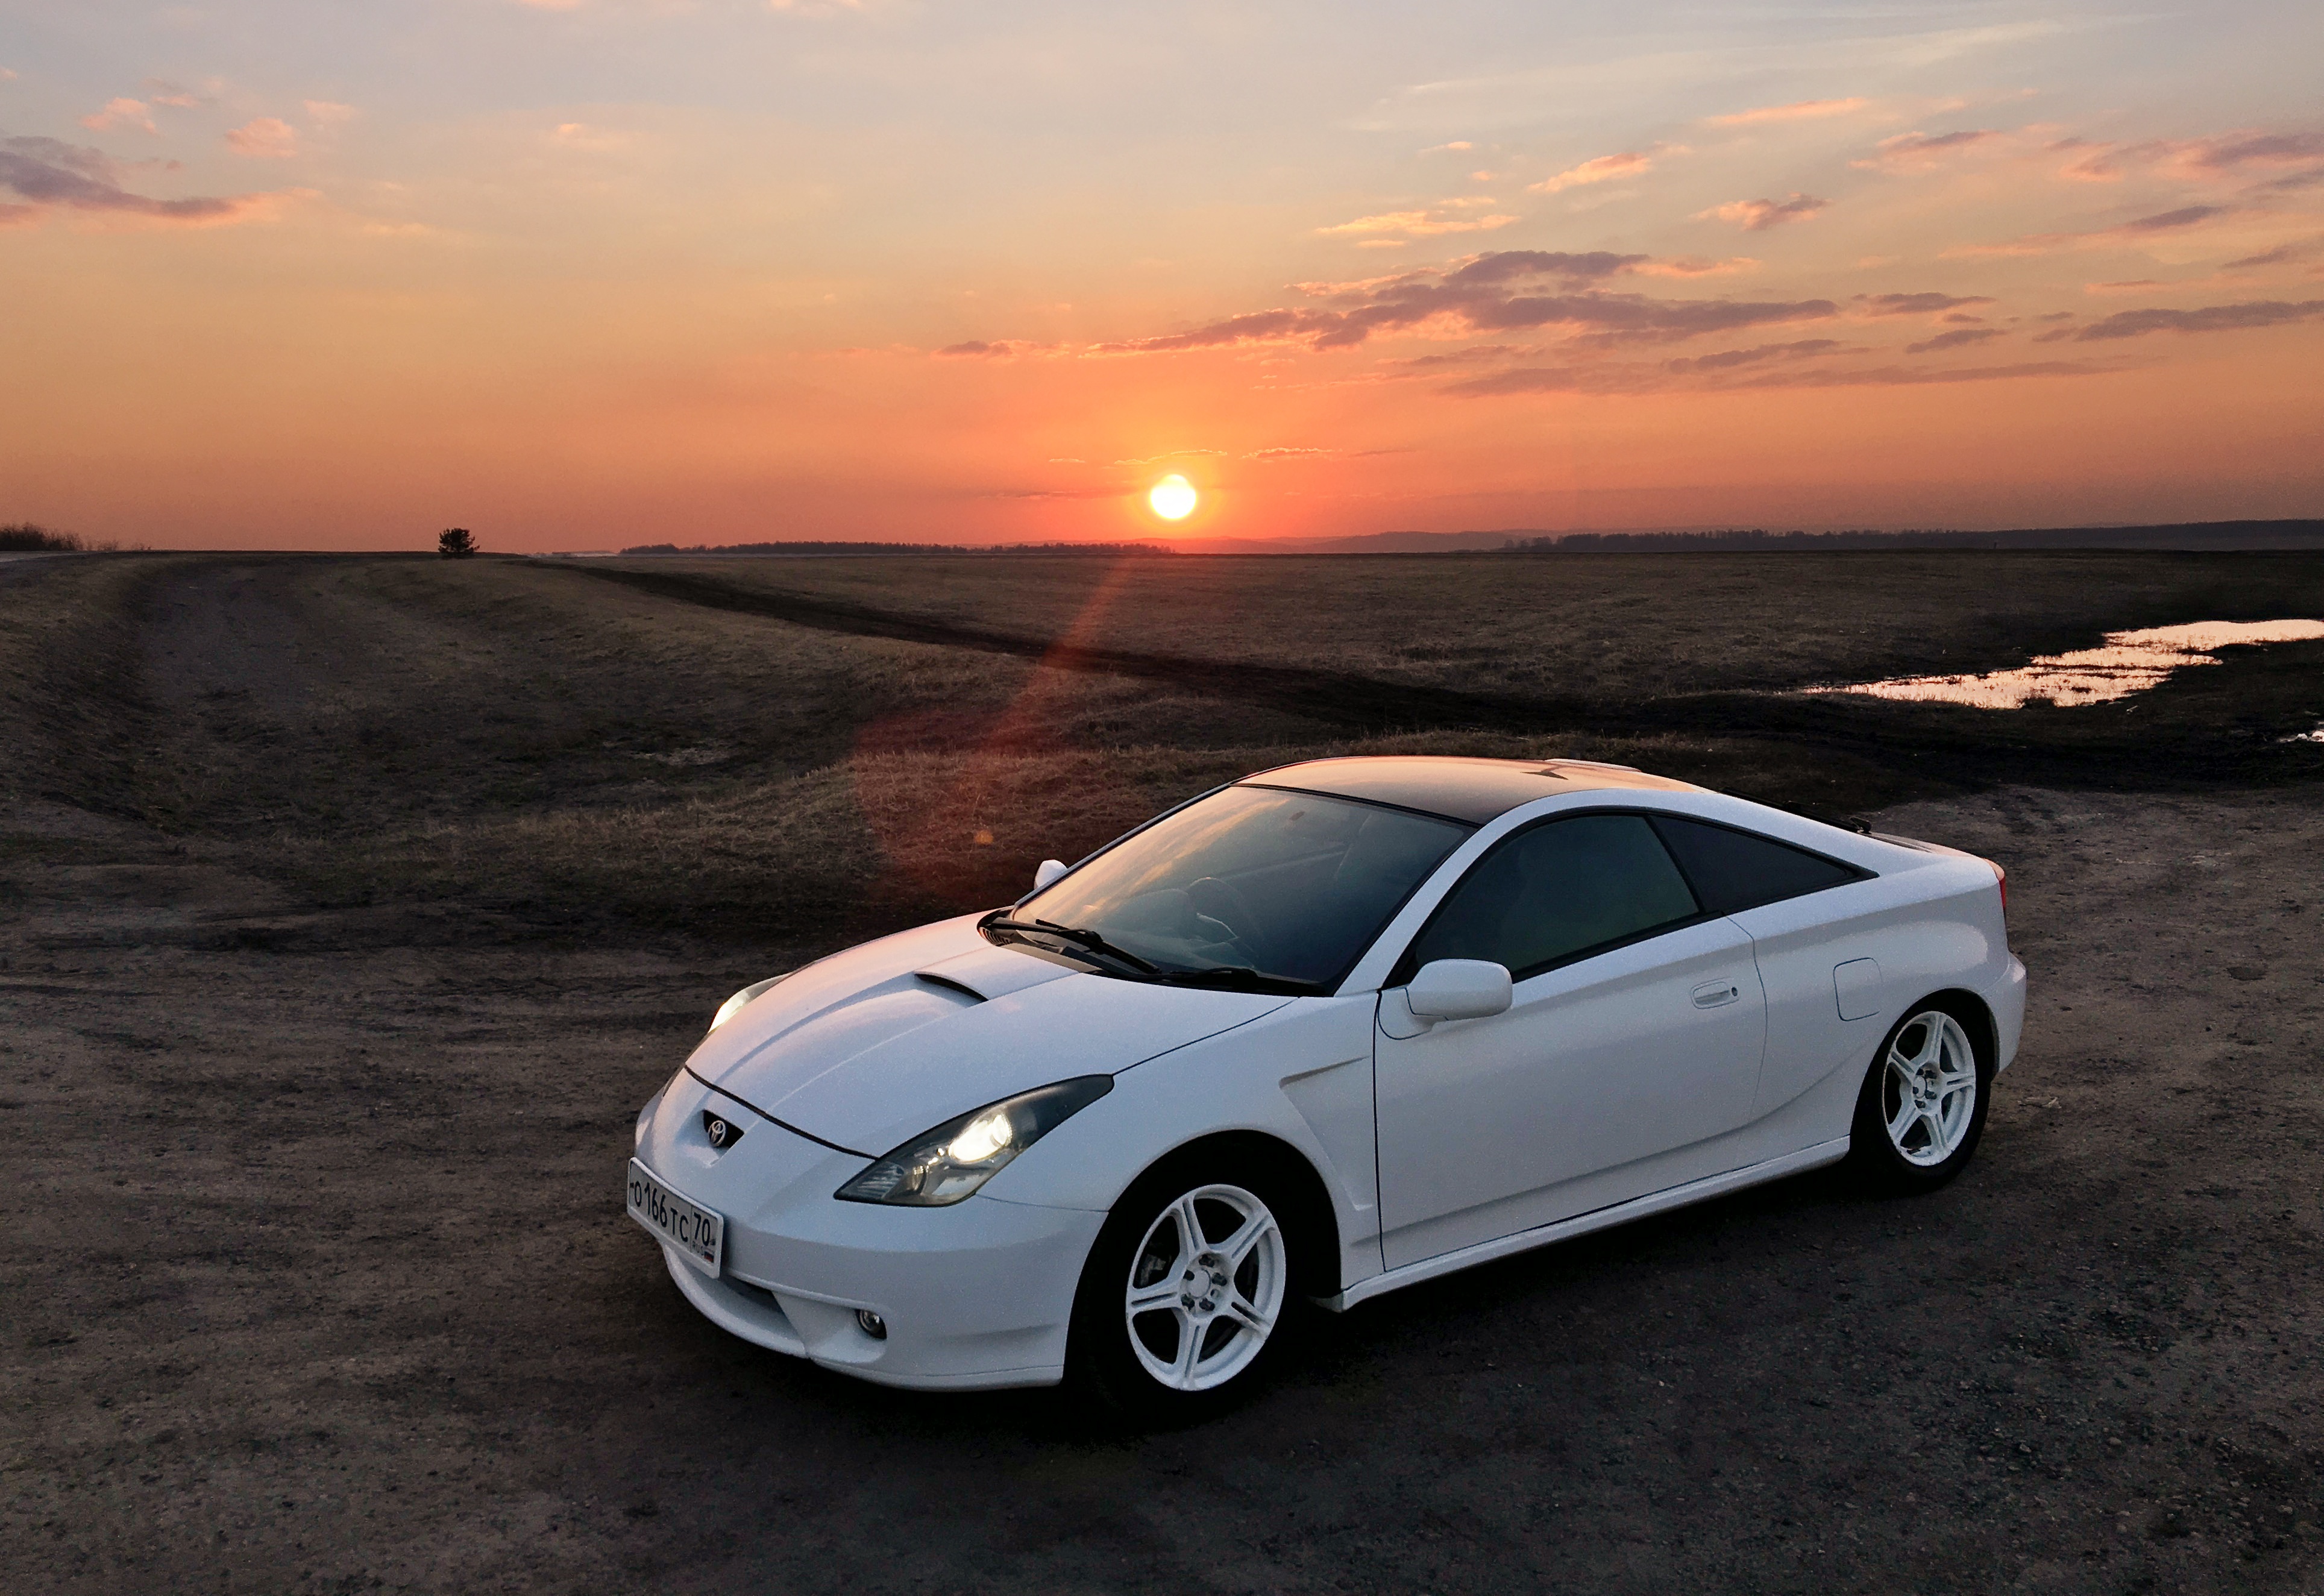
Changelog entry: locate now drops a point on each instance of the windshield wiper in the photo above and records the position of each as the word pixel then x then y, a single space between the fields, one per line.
pixel 1079 936
pixel 1242 976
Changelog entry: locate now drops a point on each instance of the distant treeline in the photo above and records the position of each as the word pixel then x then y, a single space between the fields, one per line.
pixel 2246 533
pixel 24 537
pixel 833 547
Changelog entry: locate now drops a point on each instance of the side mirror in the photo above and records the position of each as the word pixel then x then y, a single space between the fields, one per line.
pixel 1445 988
pixel 1049 872
pixel 1459 989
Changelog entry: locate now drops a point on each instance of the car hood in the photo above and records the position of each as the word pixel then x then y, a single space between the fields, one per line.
pixel 878 1044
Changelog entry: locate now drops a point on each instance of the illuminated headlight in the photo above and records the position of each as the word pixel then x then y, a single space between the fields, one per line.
pixel 953 1160
pixel 742 1000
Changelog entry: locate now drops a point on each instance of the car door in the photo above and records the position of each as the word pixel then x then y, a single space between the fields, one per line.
pixel 1635 1034
pixel 1825 1004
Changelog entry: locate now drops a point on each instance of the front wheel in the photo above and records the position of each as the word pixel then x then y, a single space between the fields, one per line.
pixel 1185 1292
pixel 1922 1107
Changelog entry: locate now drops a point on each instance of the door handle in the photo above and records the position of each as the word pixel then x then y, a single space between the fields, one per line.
pixel 1711 994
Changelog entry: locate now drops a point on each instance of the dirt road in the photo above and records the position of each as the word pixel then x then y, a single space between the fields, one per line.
pixel 318 1278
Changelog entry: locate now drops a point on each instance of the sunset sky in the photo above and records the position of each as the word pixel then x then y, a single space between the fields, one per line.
pixel 580 274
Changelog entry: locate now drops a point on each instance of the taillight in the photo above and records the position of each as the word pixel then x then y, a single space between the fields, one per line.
pixel 2001 876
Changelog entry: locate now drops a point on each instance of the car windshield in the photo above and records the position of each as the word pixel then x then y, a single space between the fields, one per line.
pixel 1285 887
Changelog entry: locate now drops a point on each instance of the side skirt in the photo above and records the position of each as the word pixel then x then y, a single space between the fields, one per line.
pixel 1581 1224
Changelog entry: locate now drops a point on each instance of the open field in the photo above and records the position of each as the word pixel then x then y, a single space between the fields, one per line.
pixel 349 905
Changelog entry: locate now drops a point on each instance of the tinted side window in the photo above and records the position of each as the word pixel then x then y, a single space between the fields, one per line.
pixel 1549 894
pixel 1734 869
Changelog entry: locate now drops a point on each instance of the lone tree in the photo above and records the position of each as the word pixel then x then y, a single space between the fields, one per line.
pixel 455 543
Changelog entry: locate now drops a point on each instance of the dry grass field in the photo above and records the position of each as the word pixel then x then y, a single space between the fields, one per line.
pixel 349 905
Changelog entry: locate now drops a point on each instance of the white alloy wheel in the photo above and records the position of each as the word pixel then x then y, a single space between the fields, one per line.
pixel 1206 1287
pixel 1928 1088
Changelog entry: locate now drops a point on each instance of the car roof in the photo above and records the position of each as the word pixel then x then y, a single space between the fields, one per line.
pixel 1472 789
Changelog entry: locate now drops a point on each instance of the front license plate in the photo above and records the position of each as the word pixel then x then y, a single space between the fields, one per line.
pixel 698 1235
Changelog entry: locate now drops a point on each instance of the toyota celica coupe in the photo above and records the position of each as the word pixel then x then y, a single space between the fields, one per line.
pixel 1328 1030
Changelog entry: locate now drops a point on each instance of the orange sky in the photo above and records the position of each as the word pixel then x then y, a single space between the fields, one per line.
pixel 581 275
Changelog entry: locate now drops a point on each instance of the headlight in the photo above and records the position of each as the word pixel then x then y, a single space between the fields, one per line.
pixel 951 1161
pixel 742 1000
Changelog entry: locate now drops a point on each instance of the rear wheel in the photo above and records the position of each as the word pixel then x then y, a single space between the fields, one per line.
pixel 1922 1107
pixel 1185 1293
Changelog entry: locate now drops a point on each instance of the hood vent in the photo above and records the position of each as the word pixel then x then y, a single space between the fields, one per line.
pixel 991 973
pixel 949 984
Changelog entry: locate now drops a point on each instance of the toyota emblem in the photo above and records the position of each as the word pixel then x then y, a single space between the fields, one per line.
pixel 722 1131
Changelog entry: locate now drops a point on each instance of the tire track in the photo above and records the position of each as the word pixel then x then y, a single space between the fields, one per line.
pixel 1926 748
pixel 1338 699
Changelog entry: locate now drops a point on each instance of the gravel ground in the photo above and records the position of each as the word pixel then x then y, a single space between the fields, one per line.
pixel 319 1280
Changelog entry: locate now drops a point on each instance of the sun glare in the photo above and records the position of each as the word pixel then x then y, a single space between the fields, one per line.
pixel 1173 498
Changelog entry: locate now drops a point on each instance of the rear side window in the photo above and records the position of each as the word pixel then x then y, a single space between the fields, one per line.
pixel 1736 869
pixel 1548 895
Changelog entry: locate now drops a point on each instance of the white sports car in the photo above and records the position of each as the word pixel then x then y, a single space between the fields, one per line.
pixel 1331 1029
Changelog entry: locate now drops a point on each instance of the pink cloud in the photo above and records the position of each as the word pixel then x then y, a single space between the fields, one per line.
pixel 1920 304
pixel 267 137
pixel 1797 111
pixel 162 92
pixel 1922 151
pixel 1756 215
pixel 2126 233
pixel 1429 223
pixel 1694 266
pixel 2211 318
pixel 1957 339
pixel 2230 155
pixel 1604 169
pixel 120 113
pixel 1505 291
pixel 52 175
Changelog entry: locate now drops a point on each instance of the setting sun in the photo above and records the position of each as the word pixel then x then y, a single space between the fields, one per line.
pixel 1173 498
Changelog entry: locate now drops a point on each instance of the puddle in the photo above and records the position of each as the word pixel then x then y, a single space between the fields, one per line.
pixel 2129 662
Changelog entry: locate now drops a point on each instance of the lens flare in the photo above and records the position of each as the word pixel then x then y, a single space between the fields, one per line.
pixel 1172 498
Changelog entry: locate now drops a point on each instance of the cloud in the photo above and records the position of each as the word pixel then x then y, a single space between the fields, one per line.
pixel 1455 144
pixel 2289 156
pixel 2282 255
pixel 1728 359
pixel 1921 304
pixel 580 135
pixel 1476 353
pixel 1797 111
pixel 53 175
pixel 120 113
pixel 1756 215
pixel 1422 224
pixel 1604 169
pixel 1603 318
pixel 267 137
pixel 975 348
pixel 1954 340
pixel 1898 376
pixel 1920 152
pixel 1694 266
pixel 161 91
pixel 330 113
pixel 2211 318
pixel 2131 232
pixel 1286 453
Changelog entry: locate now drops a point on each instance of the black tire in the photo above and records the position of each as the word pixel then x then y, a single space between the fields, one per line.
pixel 1874 1154
pixel 1104 1368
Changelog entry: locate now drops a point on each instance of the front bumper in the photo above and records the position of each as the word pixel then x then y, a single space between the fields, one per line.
pixel 977 1295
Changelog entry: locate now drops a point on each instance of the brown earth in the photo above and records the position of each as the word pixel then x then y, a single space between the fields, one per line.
pixel 349 907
